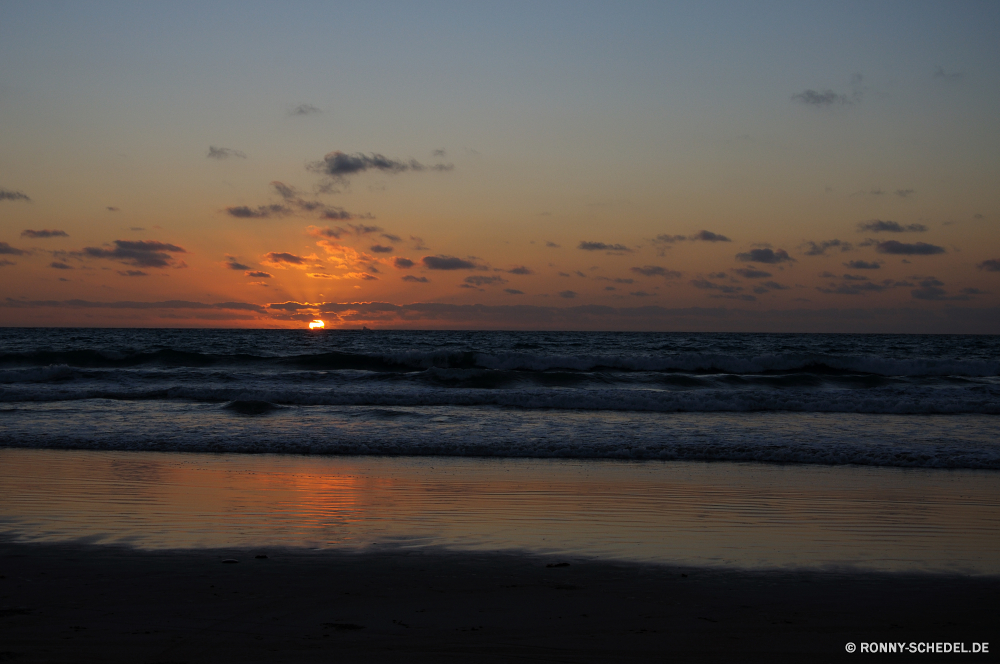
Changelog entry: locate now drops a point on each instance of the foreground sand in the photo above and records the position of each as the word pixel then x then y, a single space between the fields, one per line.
pixel 82 603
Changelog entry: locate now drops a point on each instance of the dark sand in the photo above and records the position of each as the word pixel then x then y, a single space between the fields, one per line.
pixel 77 603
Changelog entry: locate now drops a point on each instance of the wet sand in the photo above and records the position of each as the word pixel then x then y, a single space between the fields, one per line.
pixel 82 603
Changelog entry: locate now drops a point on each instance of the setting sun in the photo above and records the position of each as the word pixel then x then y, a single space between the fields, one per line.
pixel 317 325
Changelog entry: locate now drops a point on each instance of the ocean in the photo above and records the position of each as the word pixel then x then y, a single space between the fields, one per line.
pixel 882 400
pixel 876 452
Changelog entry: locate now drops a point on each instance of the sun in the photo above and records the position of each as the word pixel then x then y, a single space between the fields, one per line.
pixel 317 325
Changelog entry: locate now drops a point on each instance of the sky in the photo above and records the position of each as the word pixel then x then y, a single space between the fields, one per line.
pixel 704 166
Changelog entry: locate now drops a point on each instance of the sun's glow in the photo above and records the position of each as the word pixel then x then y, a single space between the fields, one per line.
pixel 317 325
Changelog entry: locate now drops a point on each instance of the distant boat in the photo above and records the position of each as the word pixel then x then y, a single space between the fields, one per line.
pixel 364 328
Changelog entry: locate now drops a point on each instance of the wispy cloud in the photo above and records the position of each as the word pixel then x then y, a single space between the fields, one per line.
pixel 259 212
pixel 224 153
pixel 765 255
pixel 303 109
pixel 880 226
pixel 133 273
pixel 233 264
pixel 11 251
pixel 43 233
pixel 603 246
pixel 258 274
pixel 521 269
pixel 863 265
pixel 380 249
pixel 59 265
pixel 416 280
pixel 567 294
pixel 820 248
pixel 827 98
pixel 931 289
pixel 942 75
pixel 340 165
pixel 513 291
pixel 915 249
pixel 281 258
pixel 750 273
pixel 477 280
pixel 8 195
pixel 709 236
pixel 991 265
pixel 656 271
pixel 126 304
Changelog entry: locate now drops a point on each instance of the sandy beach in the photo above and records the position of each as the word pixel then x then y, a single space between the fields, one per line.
pixel 79 603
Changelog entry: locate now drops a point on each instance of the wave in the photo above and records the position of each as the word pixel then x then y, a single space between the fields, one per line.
pixel 910 400
pixel 409 361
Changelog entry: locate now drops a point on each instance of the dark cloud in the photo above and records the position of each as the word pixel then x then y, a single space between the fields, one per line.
pixel 234 264
pixel 879 226
pixel 304 109
pixel 43 233
pixel 656 271
pixel 224 153
pixel 283 257
pixel 168 304
pixel 974 291
pixel 258 274
pixel 337 213
pixel 8 195
pixel 552 245
pixel 750 273
pixel 819 248
pixel 709 236
pixel 765 255
pixel 5 263
pixel 136 228
pixel 513 291
pixel 484 281
pixel 774 285
pixel 402 263
pixel 419 280
pixel 381 249
pixel 863 265
pixel 904 193
pixel 260 212
pixel 340 165
pixel 447 263
pixel 392 238
pixel 11 251
pixel 568 294
pixel 439 153
pixel 820 99
pixel 930 289
pixel 418 243
pixel 133 273
pixel 361 229
pixel 112 208
pixel 916 249
pixel 521 269
pixel 139 253
pixel 59 265
pixel 668 239
pixel 705 284
pixel 990 265
pixel 601 246
pixel 640 294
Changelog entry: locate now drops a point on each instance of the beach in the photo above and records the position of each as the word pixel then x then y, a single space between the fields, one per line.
pixel 75 602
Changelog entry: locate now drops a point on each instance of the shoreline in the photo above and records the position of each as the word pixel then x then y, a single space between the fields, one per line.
pixel 80 602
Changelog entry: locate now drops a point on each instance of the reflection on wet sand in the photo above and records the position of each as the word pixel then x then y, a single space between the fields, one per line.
pixel 732 514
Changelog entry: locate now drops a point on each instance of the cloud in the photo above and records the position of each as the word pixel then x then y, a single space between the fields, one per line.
pixel 224 153
pixel 568 294
pixel 879 226
pixel 820 99
pixel 774 285
pixel 381 249
pixel 819 249
pixel 8 195
pixel 640 294
pixel 446 263
pixel 416 280
pixel 904 193
pixel 233 264
pixel 304 109
pixel 59 265
pixel 656 271
pixel 133 273
pixel 940 74
pixel 916 249
pixel 750 273
pixel 705 284
pixel 765 255
pixel 168 304
pixel 930 289
pixel 43 233
pixel 709 236
pixel 139 253
pixel 260 212
pixel 991 265
pixel 340 165
pixel 521 269
pixel 392 238
pixel 258 274
pixel 601 246
pixel 668 239
pixel 401 263
pixel 11 251
pixel 418 243
pixel 5 263
pixel 552 245
pixel 278 258
pixel 112 208
pixel 513 291
pixel 477 280
pixel 863 265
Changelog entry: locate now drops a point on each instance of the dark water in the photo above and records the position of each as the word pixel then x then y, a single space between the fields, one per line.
pixel 889 400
